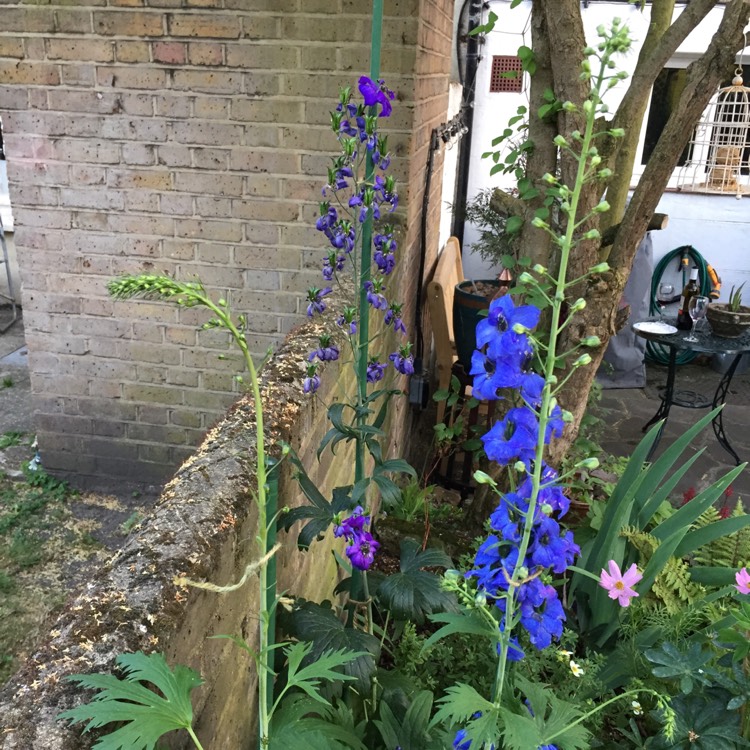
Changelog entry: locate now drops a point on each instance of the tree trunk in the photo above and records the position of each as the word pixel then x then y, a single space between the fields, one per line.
pixel 603 294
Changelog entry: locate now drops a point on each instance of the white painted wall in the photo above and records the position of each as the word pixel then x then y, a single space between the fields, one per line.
pixel 718 226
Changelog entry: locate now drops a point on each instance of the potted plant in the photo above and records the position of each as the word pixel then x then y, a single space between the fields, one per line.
pixel 730 319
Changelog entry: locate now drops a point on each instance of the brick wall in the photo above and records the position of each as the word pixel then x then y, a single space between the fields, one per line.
pixel 188 138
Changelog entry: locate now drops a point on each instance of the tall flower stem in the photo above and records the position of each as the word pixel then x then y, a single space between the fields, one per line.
pixel 566 245
pixel 365 258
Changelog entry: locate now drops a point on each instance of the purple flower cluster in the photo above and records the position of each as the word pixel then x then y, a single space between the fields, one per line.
pixel 506 363
pixel 362 545
pixel 352 201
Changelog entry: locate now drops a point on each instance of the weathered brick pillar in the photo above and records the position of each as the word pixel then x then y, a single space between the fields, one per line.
pixel 190 138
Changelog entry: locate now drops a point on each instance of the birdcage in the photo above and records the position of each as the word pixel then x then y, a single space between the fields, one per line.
pixel 718 155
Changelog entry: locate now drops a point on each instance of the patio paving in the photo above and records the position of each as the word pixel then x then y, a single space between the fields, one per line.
pixel 628 410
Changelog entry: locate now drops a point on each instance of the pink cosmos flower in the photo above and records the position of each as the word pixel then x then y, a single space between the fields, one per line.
pixel 743 581
pixel 620 585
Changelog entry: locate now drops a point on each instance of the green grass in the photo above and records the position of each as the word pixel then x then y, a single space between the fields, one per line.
pixel 7 382
pixel 8 439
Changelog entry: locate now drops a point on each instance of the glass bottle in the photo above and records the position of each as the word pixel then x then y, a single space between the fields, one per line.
pixel 692 288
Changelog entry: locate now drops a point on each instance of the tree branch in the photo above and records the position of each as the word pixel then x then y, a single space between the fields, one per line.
pixel 658 221
pixel 506 204
pixel 703 79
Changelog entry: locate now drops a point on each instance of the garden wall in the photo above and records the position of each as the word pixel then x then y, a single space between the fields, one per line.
pixel 189 137
pixel 202 528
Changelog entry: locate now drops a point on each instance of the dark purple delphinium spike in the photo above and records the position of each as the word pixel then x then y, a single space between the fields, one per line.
pixel 374 294
pixel 311 383
pixel 326 352
pixel 315 300
pixel 402 360
pixel 361 552
pixel 375 370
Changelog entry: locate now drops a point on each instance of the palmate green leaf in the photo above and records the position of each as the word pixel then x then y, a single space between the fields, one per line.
pixel 703 723
pixel 304 723
pixel 459 704
pixel 320 514
pixel 318 624
pixel 466 621
pixel 552 718
pixel 326 666
pixel 413 731
pixel 413 593
pixel 147 715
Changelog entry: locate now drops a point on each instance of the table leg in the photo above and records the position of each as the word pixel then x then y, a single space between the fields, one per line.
pixel 720 397
pixel 662 413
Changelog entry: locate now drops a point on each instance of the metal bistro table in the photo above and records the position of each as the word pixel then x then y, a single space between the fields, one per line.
pixel 708 343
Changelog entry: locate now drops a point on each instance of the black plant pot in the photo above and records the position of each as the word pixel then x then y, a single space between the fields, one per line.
pixel 470 298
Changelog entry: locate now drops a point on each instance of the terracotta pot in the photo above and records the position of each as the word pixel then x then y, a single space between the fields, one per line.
pixel 727 323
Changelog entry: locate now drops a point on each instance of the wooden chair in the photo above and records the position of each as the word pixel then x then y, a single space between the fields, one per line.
pixel 448 272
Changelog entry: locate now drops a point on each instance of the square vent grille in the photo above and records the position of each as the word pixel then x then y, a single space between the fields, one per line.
pixel 500 80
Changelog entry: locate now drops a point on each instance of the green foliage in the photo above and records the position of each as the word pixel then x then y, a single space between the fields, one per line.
pixel 735 298
pixel 641 491
pixel 496 236
pixel 146 714
pixel 318 625
pixel 412 729
pixel 8 439
pixel 730 550
pixel 683 666
pixel 703 723
pixel 455 658
pixel 414 501
pixel 303 722
pixel 7 382
pixel 413 593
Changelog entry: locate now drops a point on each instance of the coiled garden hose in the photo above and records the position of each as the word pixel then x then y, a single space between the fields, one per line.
pixel 657 352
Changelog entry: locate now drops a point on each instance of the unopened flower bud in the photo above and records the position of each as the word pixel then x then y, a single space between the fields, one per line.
pixel 480 599
pixel 560 141
pixel 550 179
pixel 617 132
pixel 547 509
pixel 569 106
pixel 596 161
pixel 520 328
pixel 583 360
pixel 519 466
pixel 523 572
pixel 567 416
pixel 539 268
pixel 578 305
pixel 605 173
pixel 538 222
pixel 588 106
pixel 600 268
pixel 589 463
pixel 525 278
pixel 591 341
pixel 452 575
pixel 481 478
pixel 603 207
pixel 592 234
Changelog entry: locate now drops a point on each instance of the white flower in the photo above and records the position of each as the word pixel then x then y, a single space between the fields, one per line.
pixel 637 708
pixel 575 669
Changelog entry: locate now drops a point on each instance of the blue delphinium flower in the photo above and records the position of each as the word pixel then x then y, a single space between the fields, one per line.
pixel 361 552
pixel 505 362
pixel 375 296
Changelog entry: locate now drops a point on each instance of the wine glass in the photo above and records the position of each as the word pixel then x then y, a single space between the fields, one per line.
pixel 697 310
pixel 664 296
